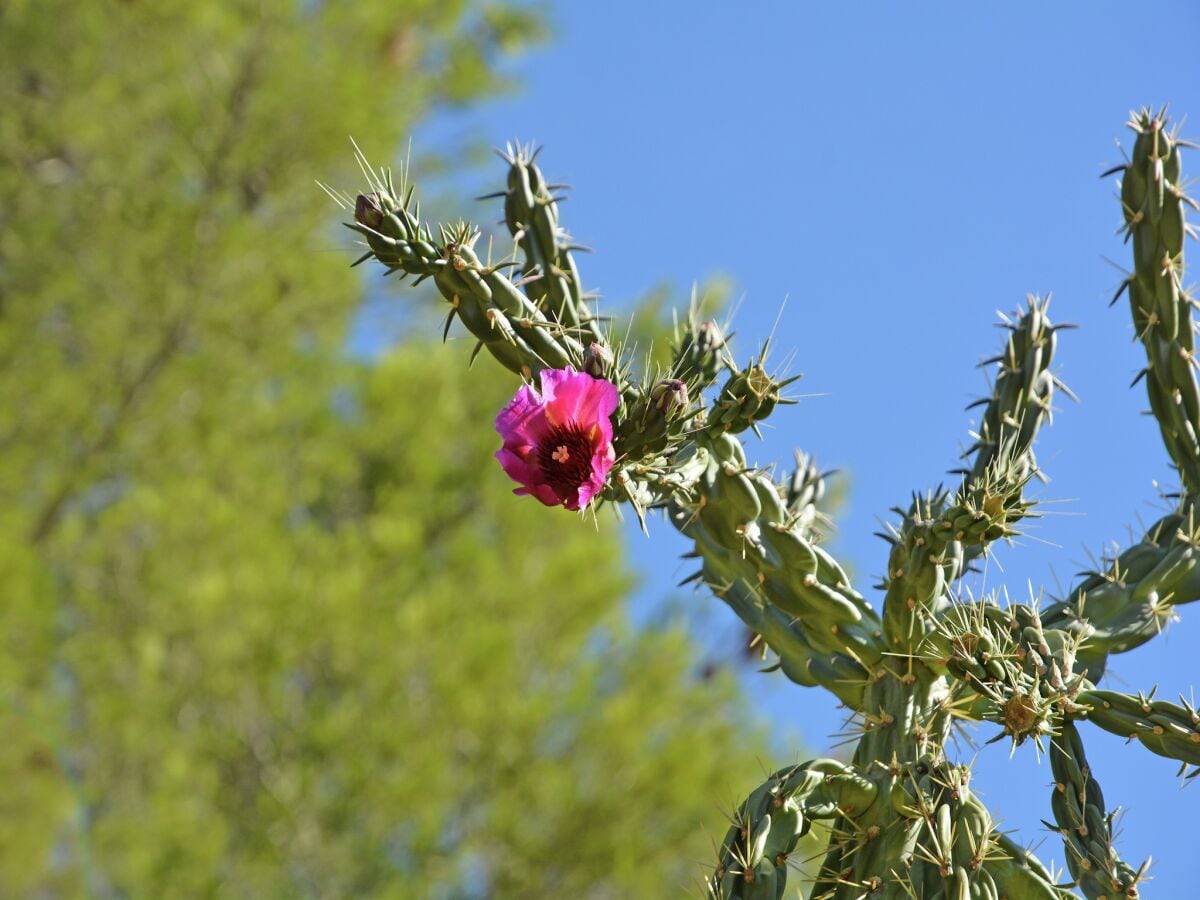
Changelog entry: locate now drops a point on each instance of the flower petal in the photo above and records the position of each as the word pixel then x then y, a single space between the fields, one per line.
pixel 542 492
pixel 571 405
pixel 524 419
pixel 577 397
pixel 602 463
pixel 517 468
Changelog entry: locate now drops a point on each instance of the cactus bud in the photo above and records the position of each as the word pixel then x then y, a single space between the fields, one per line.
pixel 670 397
pixel 369 209
pixel 749 396
pixel 597 360
pixel 698 359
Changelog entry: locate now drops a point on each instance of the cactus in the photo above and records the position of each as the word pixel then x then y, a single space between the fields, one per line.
pixel 901 817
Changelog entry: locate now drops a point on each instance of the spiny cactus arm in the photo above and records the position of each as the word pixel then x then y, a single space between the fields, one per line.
pixel 797 657
pixel 1082 819
pixel 1153 201
pixel 756 539
pixel 928 549
pixel 494 310
pixel 549 275
pixel 745 535
pixel 1020 402
pixel 752 861
pixel 1133 596
pixel 1128 602
pixel 940 534
pixel 1168 729
pixel 935 838
pixel 1019 857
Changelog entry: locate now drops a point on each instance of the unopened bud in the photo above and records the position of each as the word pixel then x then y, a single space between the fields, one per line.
pixel 670 396
pixel 369 209
pixel 709 338
pixel 698 358
pixel 597 360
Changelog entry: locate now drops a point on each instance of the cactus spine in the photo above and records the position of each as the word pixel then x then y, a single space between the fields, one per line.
pixel 902 819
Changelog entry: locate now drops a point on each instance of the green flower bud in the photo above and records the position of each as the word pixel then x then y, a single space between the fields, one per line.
pixel 670 396
pixel 698 358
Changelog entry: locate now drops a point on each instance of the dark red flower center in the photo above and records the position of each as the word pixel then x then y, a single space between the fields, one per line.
pixel 565 458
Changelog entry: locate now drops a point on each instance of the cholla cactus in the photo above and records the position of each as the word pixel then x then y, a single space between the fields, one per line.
pixel 902 819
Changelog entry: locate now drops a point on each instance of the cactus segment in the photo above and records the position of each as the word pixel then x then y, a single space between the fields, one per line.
pixel 1167 729
pixel 1152 200
pixel 699 348
pixel 504 320
pixel 549 273
pixel 743 513
pixel 1134 597
pixel 939 535
pixel 1021 394
pixel 1020 403
pixel 753 859
pixel 1085 825
pixel 748 396
pixel 1130 600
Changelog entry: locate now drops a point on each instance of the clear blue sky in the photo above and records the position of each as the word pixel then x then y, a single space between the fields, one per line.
pixel 899 172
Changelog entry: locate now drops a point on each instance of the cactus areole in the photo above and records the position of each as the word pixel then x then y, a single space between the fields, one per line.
pixel 902 819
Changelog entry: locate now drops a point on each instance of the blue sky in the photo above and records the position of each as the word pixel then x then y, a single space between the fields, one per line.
pixel 898 172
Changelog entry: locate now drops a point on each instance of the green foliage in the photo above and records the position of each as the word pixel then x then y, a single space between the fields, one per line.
pixel 267 630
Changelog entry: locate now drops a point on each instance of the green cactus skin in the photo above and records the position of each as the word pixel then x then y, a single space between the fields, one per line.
pixel 1168 729
pixel 1153 203
pixel 504 319
pixel 549 276
pixel 940 535
pixel 1132 599
pixel 752 860
pixel 1128 603
pixel 1085 826
pixel 902 819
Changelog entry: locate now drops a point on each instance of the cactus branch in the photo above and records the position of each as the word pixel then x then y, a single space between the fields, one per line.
pixel 549 274
pixel 1133 597
pixel 756 552
pixel 1021 396
pixel 1128 602
pixel 939 533
pixel 502 317
pixel 1084 822
pixel 1153 201
pixel 753 859
pixel 1168 729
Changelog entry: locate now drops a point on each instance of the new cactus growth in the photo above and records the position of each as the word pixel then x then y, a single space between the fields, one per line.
pixel 901 816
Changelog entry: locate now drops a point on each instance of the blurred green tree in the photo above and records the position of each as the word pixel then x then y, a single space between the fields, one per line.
pixel 258 638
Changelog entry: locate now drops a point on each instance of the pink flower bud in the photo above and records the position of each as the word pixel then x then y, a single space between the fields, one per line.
pixel 368 209
pixel 597 360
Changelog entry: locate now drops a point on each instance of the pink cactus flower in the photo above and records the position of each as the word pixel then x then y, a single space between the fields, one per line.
pixel 558 444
